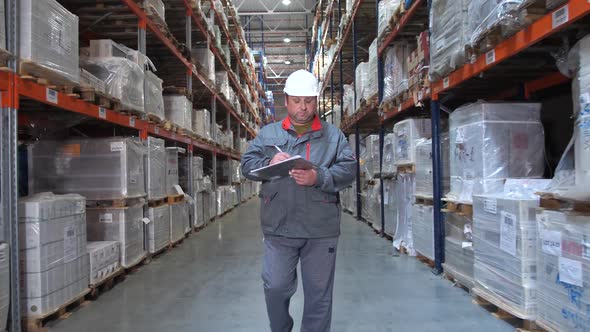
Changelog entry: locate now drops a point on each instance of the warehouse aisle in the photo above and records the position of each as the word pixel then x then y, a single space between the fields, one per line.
pixel 211 283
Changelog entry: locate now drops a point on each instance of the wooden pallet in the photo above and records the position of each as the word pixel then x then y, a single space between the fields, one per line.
pixel 30 70
pixel 157 253
pixel 397 15
pixel 143 260
pixel 67 89
pixel 550 202
pixel 173 199
pixel 97 98
pixel 175 90
pixel 129 112
pixel 543 326
pixel 459 208
pixel 410 168
pixel 176 243
pixel 155 119
pixel 36 324
pixel 158 202
pixel 106 284
pixel 456 278
pixel 425 260
pixel 504 311
pixel 115 202
pixel 423 200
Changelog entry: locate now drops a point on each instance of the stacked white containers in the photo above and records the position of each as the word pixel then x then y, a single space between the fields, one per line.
pixel 179 110
pixel 156 170
pixel 459 253
pixel 449 26
pixel 579 59
pixel 53 258
pixel 104 259
pixel 4 284
pixel 505 241
pixel 98 168
pixel 202 123
pixel 563 270
pixel 407 133
pixel 492 142
pixel 49 39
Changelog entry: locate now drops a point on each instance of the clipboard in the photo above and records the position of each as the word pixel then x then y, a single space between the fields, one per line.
pixel 281 169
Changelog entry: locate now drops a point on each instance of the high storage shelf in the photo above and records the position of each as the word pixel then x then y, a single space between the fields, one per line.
pixel 31 90
pixel 513 69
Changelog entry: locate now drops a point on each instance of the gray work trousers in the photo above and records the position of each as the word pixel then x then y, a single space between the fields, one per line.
pixel 279 273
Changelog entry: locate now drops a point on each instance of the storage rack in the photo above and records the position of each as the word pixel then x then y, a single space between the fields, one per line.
pixel 513 69
pixel 27 103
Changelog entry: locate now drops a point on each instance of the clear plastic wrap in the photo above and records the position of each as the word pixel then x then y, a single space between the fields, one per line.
pixel 423 230
pixel 103 260
pixel 578 67
pixel 97 168
pixel 361 82
pixel 123 78
pixel 563 270
pixel 424 176
pixel 158 228
pixel 4 281
pixel 52 249
pixel 204 58
pixel 156 170
pixel 386 10
pixel 459 253
pixel 197 168
pixel 407 132
pixel 179 220
pixel 199 209
pixel 179 110
pixel 337 115
pixel 222 83
pixel 395 71
pixel 505 241
pixel 449 26
pixel 390 202
pixel 154 101
pixel 172 178
pixel 49 40
pixel 370 158
pixel 202 123
pixel 87 80
pixel 491 142
pixel 156 7
pixel 486 15
pixel 371 204
pixel 372 86
pixel 389 168
pixel 405 195
pixel 119 224
pixel 349 107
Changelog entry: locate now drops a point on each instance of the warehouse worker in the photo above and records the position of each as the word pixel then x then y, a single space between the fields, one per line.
pixel 300 214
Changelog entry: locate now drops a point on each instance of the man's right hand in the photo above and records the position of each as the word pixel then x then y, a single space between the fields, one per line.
pixel 279 157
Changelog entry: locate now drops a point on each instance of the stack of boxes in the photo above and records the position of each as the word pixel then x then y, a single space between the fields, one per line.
pixel 53 255
pixel 459 253
pixel 418 65
pixel 395 69
pixel 158 212
pixel 179 111
pixel 154 101
pixel 202 123
pixel 103 260
pixel 205 61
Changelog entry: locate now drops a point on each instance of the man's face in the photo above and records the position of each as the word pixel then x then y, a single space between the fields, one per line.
pixel 301 109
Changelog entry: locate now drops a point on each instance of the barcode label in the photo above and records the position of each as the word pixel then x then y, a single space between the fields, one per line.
pixel 131 121
pixel 490 57
pixel 102 113
pixel 508 233
pixel 156 130
pixel 51 96
pixel 446 82
pixel 560 16
pixel 420 95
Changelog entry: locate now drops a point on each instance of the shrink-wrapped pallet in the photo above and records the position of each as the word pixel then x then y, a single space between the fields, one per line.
pixel 222 83
pixel 490 142
pixel 424 175
pixel 156 7
pixel 179 111
pixel 48 43
pixel 395 71
pixel 492 17
pixel 179 220
pixel 52 250
pixel 449 33
pixel 97 168
pixel 156 168
pixel 172 178
pixel 386 10
pixel 202 123
pixel 204 58
pixel 389 168
pixel 122 224
pixel 407 133
pixel 390 202
pixel 154 100
pixel 104 260
pixel 361 82
pixel 459 253
pixel 405 188
pixel 158 228
pixel 423 230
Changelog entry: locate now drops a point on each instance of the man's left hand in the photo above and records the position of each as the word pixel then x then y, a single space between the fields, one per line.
pixel 305 177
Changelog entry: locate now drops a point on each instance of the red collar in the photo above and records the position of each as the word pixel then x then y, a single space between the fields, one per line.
pixel 315 125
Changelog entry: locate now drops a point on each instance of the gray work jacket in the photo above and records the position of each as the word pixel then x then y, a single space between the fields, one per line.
pixel 288 209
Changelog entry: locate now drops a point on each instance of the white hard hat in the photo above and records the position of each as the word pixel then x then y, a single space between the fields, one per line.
pixel 302 84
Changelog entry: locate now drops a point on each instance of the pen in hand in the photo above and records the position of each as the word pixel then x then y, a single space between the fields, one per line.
pixel 278 149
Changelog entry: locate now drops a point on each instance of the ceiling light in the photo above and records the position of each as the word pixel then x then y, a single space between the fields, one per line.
pixel 287 40
pixel 287 62
pixel 286 2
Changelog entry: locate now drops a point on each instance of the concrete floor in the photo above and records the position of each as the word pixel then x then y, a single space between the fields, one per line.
pixel 211 283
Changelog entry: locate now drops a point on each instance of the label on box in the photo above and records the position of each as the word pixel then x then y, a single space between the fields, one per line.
pixel 102 113
pixel 70 243
pixel 550 241
pixel 508 233
pixel 117 146
pixel 51 96
pixel 490 205
pixel 131 121
pixel 156 130
pixel 446 82
pixel 570 271
pixel 466 244
pixel 560 16
pixel 584 104
pixel 105 218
